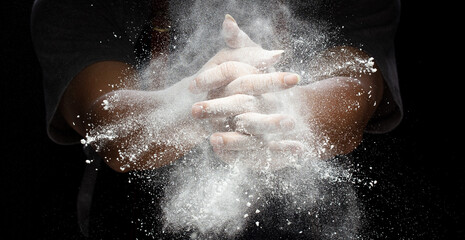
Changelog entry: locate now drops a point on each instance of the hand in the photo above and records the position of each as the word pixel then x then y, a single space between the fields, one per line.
pixel 242 100
pixel 252 131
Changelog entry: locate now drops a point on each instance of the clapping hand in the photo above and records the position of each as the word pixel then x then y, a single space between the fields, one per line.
pixel 243 103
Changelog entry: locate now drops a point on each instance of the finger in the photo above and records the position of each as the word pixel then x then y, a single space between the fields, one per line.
pixel 257 84
pixel 256 123
pixel 227 106
pixel 260 159
pixel 255 56
pixel 279 158
pixel 220 76
pixel 287 147
pixel 234 141
pixel 234 36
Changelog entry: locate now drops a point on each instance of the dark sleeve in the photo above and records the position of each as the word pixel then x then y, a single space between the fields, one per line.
pixel 371 25
pixel 69 36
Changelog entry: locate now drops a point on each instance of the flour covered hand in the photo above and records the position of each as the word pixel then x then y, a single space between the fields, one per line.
pixel 243 105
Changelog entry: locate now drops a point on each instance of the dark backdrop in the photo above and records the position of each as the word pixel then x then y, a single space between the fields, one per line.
pixel 419 166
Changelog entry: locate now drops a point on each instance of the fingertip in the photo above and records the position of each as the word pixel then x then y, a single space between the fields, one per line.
pixel 277 52
pixel 292 147
pixel 291 79
pixel 230 31
pixel 227 16
pixel 287 124
pixel 230 25
pixel 198 110
pixel 270 58
pixel 216 140
pixel 276 55
pixel 298 149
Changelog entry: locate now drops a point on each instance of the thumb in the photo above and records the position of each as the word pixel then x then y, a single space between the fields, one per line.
pixel 234 36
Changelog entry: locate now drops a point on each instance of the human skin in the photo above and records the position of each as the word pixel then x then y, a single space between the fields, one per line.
pixel 230 80
pixel 323 106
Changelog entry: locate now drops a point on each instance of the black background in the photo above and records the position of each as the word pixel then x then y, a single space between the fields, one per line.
pixel 419 166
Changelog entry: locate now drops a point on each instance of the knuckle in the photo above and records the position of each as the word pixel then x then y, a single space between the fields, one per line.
pixel 268 80
pixel 228 69
pixel 240 126
pixel 259 84
pixel 232 42
pixel 246 98
pixel 246 101
pixel 198 81
pixel 252 103
pixel 243 85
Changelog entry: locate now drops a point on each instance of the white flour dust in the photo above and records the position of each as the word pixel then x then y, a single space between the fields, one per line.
pixel 204 197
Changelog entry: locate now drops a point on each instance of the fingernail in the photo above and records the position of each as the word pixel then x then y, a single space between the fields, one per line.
pixel 217 141
pixel 197 110
pixel 275 55
pixel 291 79
pixel 227 16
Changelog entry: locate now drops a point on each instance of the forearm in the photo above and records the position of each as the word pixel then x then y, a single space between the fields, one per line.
pixel 130 129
